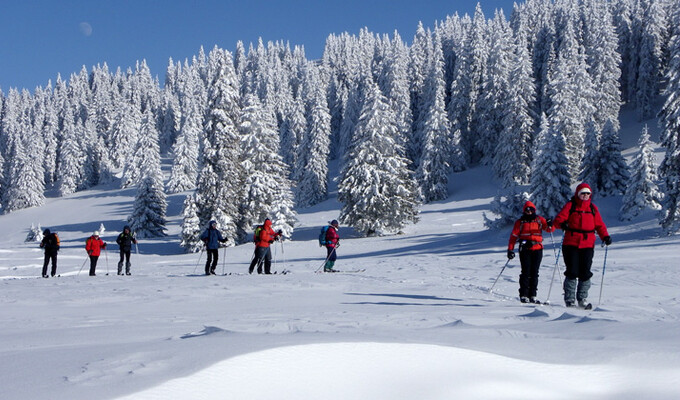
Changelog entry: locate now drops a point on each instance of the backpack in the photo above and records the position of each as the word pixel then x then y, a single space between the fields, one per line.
pixel 322 236
pixel 256 236
pixel 56 239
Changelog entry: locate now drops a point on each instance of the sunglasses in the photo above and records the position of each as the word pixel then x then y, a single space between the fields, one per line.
pixel 584 193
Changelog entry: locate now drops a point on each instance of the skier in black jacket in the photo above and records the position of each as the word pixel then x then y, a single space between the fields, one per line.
pixel 50 243
pixel 125 241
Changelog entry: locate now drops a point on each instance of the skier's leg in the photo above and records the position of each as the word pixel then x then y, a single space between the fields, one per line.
pixel 54 264
pixel 525 274
pixel 536 258
pixel 267 261
pixel 44 270
pixel 571 260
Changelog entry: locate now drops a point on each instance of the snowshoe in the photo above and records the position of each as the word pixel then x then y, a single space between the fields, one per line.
pixel 524 299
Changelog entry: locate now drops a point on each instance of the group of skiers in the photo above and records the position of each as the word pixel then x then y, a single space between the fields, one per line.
pixel 580 220
pixel 93 246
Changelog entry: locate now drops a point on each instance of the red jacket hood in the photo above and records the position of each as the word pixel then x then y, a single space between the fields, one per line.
pixel 528 204
pixel 578 189
pixel 268 223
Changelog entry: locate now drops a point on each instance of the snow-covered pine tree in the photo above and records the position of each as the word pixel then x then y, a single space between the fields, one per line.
pixel 669 169
pixel 311 170
pixel 220 182
pixel 650 56
pixel 291 131
pixel 641 191
pixel 476 54
pixel 433 168
pixel 513 154
pixel 267 188
pixel 148 216
pixel 185 150
pixel 614 173
pixel 495 88
pixel 191 226
pixel 124 132
pixel 550 177
pixel 71 156
pixel 567 114
pixel 377 190
pixel 508 206
pixel 603 61
pixel 591 166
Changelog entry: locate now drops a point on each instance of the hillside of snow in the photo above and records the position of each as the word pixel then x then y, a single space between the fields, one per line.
pixel 418 323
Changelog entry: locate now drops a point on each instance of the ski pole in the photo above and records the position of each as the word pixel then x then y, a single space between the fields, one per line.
pixel 326 260
pixel 106 255
pixel 199 259
pixel 557 261
pixel 603 268
pixel 82 266
pixel 557 255
pixel 499 275
pixel 283 254
pixel 224 259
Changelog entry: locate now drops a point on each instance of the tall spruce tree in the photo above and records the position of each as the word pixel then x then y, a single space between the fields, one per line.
pixel 220 182
pixel 614 173
pixel 550 177
pixel 670 136
pixel 642 190
pixel 377 190
pixel 267 188
pixel 148 216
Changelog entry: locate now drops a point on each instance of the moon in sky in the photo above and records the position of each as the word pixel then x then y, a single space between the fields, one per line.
pixel 85 28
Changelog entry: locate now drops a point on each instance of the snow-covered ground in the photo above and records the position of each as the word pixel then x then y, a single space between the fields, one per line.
pixel 419 323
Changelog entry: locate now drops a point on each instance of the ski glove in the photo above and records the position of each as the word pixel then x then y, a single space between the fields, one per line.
pixel 607 240
pixel 549 221
pixel 511 254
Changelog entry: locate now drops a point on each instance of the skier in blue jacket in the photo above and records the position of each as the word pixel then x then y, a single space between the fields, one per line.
pixel 212 239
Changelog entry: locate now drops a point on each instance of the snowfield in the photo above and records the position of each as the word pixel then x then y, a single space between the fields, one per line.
pixel 419 323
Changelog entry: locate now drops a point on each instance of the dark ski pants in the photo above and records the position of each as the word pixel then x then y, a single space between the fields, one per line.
pixel 332 256
pixel 124 256
pixel 263 255
pixel 578 262
pixel 211 264
pixel 49 257
pixel 93 264
pixel 528 278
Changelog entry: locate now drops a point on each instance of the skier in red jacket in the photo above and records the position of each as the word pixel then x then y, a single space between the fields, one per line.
pixel 528 231
pixel 580 219
pixel 93 246
pixel 263 237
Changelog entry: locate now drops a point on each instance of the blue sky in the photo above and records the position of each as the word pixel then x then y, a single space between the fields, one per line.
pixel 41 38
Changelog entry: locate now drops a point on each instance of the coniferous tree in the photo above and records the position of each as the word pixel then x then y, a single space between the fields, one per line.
pixel 670 136
pixel 513 154
pixel 507 206
pixel 591 166
pixel 641 191
pixel 433 168
pixel 614 170
pixel 149 209
pixel 650 56
pixel 311 169
pixel 71 157
pixel 191 226
pixel 185 150
pixel 495 87
pixel 550 177
pixel 377 190
pixel 220 182
pixel 267 188
pixel 604 62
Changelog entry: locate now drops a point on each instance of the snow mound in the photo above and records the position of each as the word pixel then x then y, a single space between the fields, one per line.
pixel 405 371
